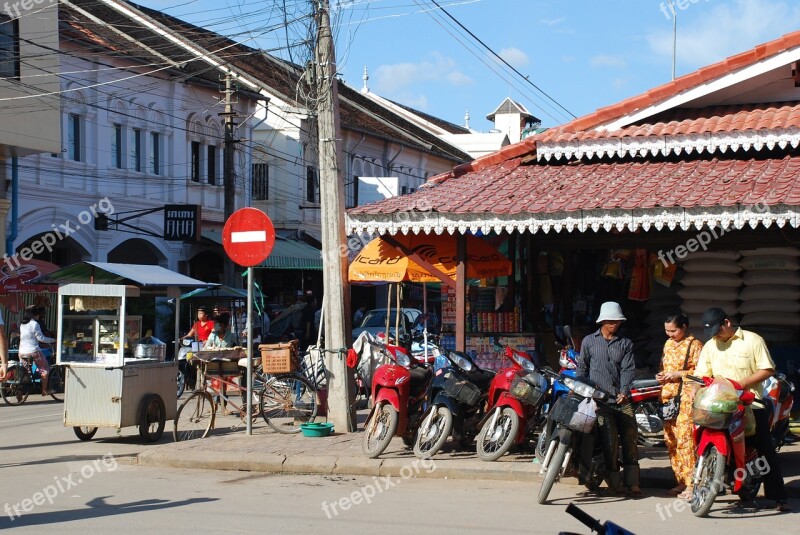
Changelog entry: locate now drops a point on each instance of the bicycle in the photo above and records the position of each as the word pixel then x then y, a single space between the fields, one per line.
pixel 19 382
pixel 284 400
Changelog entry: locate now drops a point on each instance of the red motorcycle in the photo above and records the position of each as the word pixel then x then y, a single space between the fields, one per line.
pixel 646 398
pixel 516 395
pixel 399 391
pixel 778 397
pixel 722 455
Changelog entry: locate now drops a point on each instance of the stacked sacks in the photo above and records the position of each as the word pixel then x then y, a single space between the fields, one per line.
pixel 663 301
pixel 709 280
pixel 770 298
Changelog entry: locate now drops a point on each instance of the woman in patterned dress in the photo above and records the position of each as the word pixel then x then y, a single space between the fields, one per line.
pixel 678 432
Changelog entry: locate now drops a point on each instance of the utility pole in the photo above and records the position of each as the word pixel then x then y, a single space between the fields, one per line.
pixel 228 174
pixel 334 264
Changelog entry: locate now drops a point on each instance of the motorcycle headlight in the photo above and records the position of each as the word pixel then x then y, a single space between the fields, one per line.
pixel 402 359
pixel 523 362
pixel 579 387
pixel 462 362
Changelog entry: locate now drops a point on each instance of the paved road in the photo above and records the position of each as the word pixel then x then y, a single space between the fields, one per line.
pixel 78 490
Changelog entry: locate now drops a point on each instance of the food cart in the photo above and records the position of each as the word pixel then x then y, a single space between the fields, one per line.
pixel 115 377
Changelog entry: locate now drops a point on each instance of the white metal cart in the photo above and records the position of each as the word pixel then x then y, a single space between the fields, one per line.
pixel 98 343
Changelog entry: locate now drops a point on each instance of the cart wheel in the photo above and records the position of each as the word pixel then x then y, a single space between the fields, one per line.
pixel 84 432
pixel 152 417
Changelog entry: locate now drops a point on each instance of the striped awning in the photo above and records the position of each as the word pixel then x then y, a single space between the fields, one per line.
pixel 286 254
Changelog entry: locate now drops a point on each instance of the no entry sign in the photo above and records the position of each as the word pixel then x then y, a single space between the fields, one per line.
pixel 248 236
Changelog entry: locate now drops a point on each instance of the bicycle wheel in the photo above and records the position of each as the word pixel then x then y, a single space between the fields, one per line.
pixel 195 417
pixel 56 382
pixel 287 401
pixel 16 386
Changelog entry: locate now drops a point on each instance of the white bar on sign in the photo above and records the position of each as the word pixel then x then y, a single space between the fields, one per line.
pixel 249 236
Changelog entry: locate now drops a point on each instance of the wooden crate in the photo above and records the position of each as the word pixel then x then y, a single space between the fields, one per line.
pixel 279 358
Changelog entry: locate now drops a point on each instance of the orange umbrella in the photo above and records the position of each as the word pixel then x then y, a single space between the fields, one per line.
pixel 381 261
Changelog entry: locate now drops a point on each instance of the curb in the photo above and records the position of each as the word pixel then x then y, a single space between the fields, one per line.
pixel 359 466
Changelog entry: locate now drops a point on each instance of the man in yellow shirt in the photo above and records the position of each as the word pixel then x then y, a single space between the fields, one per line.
pixel 742 356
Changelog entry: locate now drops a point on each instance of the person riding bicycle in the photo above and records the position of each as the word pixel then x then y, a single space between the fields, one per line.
pixel 3 350
pixel 30 334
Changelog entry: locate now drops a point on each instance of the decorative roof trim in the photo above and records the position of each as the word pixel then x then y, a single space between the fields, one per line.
pixel 727 217
pixel 665 145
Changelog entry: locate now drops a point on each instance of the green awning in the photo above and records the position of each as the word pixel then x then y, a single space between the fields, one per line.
pixel 292 254
pixel 286 254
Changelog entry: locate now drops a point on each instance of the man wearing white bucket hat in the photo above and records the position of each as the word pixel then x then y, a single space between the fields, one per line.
pixel 607 359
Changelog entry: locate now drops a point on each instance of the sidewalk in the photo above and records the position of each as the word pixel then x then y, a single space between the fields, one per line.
pixel 340 453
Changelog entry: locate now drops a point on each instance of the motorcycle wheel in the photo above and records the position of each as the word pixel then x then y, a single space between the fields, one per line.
pixel 181 382
pixel 379 430
pixel 428 444
pixel 494 443
pixel 553 469
pixel 710 483
pixel 541 445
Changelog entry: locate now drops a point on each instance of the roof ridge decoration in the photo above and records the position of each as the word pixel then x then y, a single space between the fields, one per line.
pixel 725 217
pixel 704 79
pixel 665 145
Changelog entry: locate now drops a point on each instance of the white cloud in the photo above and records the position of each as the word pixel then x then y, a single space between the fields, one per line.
pixel 514 56
pixel 553 22
pixel 723 29
pixel 604 60
pixel 395 78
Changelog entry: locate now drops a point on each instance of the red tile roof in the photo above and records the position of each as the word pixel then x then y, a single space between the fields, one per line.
pixel 686 121
pixel 510 188
pixel 676 86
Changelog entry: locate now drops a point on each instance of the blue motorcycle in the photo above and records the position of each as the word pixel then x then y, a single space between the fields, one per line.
pixel 568 360
pixel 19 383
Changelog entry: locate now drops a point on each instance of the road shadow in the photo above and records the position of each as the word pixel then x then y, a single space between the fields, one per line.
pixel 96 508
pixel 66 459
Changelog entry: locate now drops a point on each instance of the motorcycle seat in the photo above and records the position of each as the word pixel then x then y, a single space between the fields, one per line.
pixel 644 383
pixel 420 376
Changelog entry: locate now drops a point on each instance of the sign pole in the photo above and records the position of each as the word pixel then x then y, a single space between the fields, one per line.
pixel 248 237
pixel 249 351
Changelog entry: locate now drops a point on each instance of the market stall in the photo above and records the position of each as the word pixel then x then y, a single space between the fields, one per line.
pixel 116 374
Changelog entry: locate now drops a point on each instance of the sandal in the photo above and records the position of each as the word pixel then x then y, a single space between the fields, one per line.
pixel 782 506
pixel 677 491
pixel 686 495
pixel 635 492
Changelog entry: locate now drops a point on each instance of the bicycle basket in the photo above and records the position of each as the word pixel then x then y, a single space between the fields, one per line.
pixel 462 391
pixel 279 358
pixel 568 412
pixel 525 391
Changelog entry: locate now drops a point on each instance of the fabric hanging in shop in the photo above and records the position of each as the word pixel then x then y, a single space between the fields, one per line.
pixel 640 277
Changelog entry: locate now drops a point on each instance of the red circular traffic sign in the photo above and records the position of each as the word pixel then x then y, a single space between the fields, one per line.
pixel 248 236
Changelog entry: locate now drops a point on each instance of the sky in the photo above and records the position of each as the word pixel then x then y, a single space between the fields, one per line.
pixel 558 58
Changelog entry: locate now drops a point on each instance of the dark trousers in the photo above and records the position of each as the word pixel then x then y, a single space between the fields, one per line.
pixel 617 426
pixel 773 480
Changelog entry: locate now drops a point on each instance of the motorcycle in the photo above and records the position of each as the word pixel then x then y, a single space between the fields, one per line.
pixel 777 392
pixel 722 454
pixel 646 398
pixel 573 419
pixel 187 372
pixel 399 391
pixel 516 394
pixel 602 528
pixel 458 394
pixel 568 360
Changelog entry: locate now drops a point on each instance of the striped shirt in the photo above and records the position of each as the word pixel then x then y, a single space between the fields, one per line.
pixel 609 363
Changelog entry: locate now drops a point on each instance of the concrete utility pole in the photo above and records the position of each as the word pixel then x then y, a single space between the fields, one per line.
pixel 334 239
pixel 228 171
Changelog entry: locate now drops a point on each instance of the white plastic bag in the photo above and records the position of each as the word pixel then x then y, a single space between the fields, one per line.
pixel 584 418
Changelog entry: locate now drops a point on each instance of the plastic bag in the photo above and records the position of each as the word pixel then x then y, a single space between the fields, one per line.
pixel 719 396
pixel 584 418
